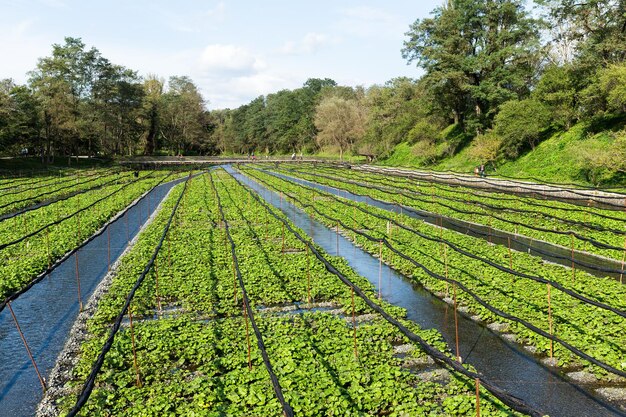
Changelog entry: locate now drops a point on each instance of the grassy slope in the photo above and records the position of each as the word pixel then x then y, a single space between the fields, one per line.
pixel 557 159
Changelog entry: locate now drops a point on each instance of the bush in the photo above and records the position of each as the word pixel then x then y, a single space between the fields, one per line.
pixel 520 124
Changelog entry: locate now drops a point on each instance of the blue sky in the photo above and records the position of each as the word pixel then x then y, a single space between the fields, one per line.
pixel 233 50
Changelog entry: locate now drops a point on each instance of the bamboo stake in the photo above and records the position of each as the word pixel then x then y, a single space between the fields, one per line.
pixel 337 235
pixel 108 248
pixel 477 396
pixel 380 269
pixel 510 254
pixel 621 275
pixel 156 289
pixel 234 280
pixel 30 355
pixel 245 317
pixel 573 266
pixel 132 339
pixel 456 327
pixel 356 353
pixel 80 301
pixel 308 274
pixel 550 321
pixel 50 256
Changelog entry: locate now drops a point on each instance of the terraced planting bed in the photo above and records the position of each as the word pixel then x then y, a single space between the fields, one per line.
pixel 574 319
pixel 223 307
pixel 32 241
pixel 587 229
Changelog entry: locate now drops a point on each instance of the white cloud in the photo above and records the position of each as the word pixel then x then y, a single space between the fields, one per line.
pixel 366 21
pixel 310 43
pixel 231 59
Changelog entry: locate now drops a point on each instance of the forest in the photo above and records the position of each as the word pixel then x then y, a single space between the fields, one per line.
pixel 499 77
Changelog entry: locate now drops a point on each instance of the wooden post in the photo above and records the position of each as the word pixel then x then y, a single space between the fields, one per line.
pixel 356 353
pixel 283 238
pixel 156 282
pixel 550 321
pixel 80 301
pixel 510 254
pixel 380 269
pixel 245 317
pixel 234 280
pixel 50 256
pixel 477 396
pixel 456 326
pixel 337 237
pixel 109 248
pixel 573 266
pixel 308 274
pixel 621 275
pixel 132 339
pixel 30 355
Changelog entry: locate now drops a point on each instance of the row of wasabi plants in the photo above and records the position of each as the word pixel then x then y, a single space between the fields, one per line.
pixel 588 229
pixel 498 276
pixel 32 241
pixel 196 355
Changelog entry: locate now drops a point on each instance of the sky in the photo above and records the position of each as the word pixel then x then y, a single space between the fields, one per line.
pixel 233 50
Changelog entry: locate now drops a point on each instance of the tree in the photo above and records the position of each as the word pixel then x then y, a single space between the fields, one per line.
pixel 477 55
pixel 520 124
pixel 340 122
pixel 182 124
pixel 152 106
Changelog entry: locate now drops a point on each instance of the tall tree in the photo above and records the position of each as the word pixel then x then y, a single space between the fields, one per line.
pixel 182 125
pixel 477 55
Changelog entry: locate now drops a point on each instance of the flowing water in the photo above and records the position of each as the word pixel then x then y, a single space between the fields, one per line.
pixel 47 311
pixel 505 363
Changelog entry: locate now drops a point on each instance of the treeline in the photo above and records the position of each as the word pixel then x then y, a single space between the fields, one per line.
pixel 77 102
pixel 496 78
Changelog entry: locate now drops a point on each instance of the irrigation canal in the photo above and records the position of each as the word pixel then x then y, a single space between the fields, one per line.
pixel 504 363
pixel 549 252
pixel 47 311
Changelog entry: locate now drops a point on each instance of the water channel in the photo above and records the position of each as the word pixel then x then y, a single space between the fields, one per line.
pixel 47 311
pixel 502 362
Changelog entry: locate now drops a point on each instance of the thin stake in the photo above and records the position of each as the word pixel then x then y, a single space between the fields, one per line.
pixel 245 316
pixel 308 274
pixel 80 301
pixel 132 338
pixel 380 269
pixel 550 321
pixel 156 289
pixel 573 266
pixel 510 255
pixel 621 275
pixel 356 353
pixel 337 233
pixel 283 238
pixel 109 248
pixel 30 355
pixel 477 396
pixel 234 280
pixel 50 256
pixel 456 326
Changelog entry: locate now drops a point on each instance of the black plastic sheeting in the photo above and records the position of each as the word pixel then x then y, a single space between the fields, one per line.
pixel 287 410
pixel 504 363
pixel 47 311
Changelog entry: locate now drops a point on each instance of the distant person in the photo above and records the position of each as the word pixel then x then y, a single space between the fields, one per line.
pixel 482 171
pixel 301 158
pixel 293 156
pixel 476 171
